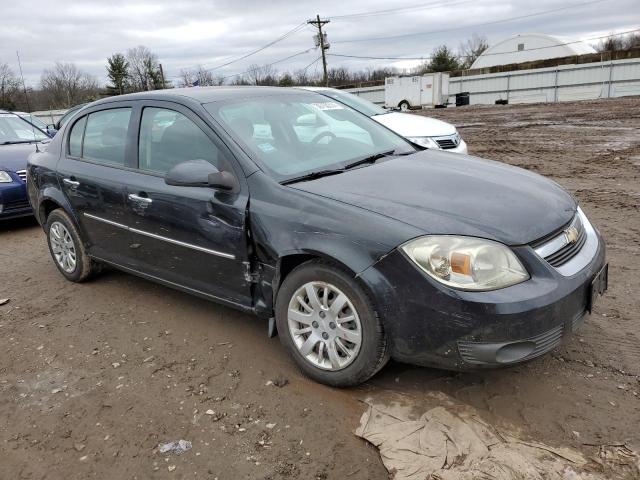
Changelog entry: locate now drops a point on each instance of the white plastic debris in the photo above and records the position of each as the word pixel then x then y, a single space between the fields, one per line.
pixel 178 447
pixel 4 301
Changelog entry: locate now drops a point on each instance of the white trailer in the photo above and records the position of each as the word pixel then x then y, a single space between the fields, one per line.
pixel 430 90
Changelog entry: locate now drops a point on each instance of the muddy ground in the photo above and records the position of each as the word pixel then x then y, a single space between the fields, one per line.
pixel 94 376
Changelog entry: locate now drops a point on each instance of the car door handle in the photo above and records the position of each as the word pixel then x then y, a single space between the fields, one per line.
pixel 71 183
pixel 137 198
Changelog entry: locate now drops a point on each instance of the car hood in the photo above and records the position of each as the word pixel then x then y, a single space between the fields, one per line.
pixel 446 193
pixel 14 157
pixel 412 125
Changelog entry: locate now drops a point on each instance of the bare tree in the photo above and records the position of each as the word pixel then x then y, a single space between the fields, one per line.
pixel 471 49
pixel 199 76
pixel 262 75
pixel 66 86
pixel 9 88
pixel 144 69
pixel 617 43
pixel 339 76
pixel 301 77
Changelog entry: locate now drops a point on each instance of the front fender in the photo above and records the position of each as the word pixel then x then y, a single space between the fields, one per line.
pixel 284 222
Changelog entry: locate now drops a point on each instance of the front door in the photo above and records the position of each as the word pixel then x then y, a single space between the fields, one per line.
pixel 92 169
pixel 193 237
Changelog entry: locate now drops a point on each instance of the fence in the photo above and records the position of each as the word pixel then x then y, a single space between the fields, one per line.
pixel 373 94
pixel 616 78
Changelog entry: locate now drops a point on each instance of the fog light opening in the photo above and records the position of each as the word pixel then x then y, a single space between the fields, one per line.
pixel 513 352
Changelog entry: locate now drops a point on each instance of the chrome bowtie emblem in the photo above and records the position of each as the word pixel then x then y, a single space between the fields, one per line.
pixel 571 234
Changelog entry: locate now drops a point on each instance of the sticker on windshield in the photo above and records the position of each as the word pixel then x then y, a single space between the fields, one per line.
pixel 266 147
pixel 328 106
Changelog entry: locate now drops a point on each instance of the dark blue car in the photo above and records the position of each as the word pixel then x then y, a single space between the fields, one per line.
pixel 17 141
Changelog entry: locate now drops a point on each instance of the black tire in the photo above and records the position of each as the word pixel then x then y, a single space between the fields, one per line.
pixel 84 266
pixel 372 355
pixel 404 106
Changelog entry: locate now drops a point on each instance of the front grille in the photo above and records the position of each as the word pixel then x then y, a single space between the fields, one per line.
pixel 23 175
pixel 16 205
pixel 474 352
pixel 567 252
pixel 563 246
pixel 448 142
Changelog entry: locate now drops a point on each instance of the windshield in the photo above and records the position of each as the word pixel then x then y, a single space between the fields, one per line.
pixel 35 120
pixel 357 103
pixel 297 134
pixel 14 129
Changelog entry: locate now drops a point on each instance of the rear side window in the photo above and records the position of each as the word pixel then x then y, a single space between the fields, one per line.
pixel 75 137
pixel 105 136
pixel 168 138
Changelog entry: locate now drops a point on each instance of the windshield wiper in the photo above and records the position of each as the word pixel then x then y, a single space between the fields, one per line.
pixel 13 142
pixel 370 159
pixel 323 173
pixel 313 176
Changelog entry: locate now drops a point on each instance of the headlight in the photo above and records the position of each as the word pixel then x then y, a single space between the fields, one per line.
pixel 5 177
pixel 427 142
pixel 467 263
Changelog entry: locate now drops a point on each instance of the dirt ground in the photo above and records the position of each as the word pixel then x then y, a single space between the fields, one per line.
pixel 94 376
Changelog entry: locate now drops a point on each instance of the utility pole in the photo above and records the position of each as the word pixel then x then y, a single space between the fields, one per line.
pixel 321 43
pixel 162 76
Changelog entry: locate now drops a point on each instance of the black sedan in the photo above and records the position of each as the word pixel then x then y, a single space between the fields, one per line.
pixel 356 245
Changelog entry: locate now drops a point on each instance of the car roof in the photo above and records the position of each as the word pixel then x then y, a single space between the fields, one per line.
pixel 203 94
pixel 316 89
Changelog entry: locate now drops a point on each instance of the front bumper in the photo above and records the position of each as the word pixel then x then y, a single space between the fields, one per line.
pixel 430 324
pixel 13 200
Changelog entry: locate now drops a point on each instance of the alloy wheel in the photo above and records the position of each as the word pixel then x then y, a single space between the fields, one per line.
pixel 324 326
pixel 62 247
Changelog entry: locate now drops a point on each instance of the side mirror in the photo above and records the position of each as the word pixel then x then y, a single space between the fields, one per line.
pixel 223 181
pixel 51 126
pixel 200 173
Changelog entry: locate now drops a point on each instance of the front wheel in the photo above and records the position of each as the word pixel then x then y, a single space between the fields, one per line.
pixel 329 325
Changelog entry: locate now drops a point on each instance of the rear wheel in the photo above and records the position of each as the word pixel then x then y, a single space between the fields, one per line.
pixel 329 325
pixel 404 106
pixel 67 249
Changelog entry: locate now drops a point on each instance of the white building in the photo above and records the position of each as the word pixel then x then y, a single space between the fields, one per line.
pixel 529 47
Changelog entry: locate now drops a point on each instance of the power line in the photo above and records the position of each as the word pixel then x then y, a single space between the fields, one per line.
pixel 264 47
pixel 393 11
pixel 272 63
pixel 485 54
pixel 311 64
pixel 494 22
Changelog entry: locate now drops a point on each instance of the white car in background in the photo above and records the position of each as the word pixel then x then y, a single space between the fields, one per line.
pixel 425 131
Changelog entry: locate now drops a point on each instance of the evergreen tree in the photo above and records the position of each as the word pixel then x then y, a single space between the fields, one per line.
pixel 443 60
pixel 117 71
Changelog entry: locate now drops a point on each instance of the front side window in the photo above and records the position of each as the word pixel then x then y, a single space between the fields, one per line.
pixel 105 136
pixel 292 135
pixel 168 138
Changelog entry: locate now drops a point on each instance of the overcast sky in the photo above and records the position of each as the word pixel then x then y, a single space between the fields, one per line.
pixel 184 33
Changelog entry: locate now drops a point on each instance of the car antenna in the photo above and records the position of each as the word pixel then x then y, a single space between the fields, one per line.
pixel 26 96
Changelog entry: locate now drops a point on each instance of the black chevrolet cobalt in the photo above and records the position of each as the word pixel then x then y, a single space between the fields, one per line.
pixel 356 245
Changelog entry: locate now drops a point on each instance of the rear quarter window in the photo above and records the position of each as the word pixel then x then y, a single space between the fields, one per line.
pixel 75 137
